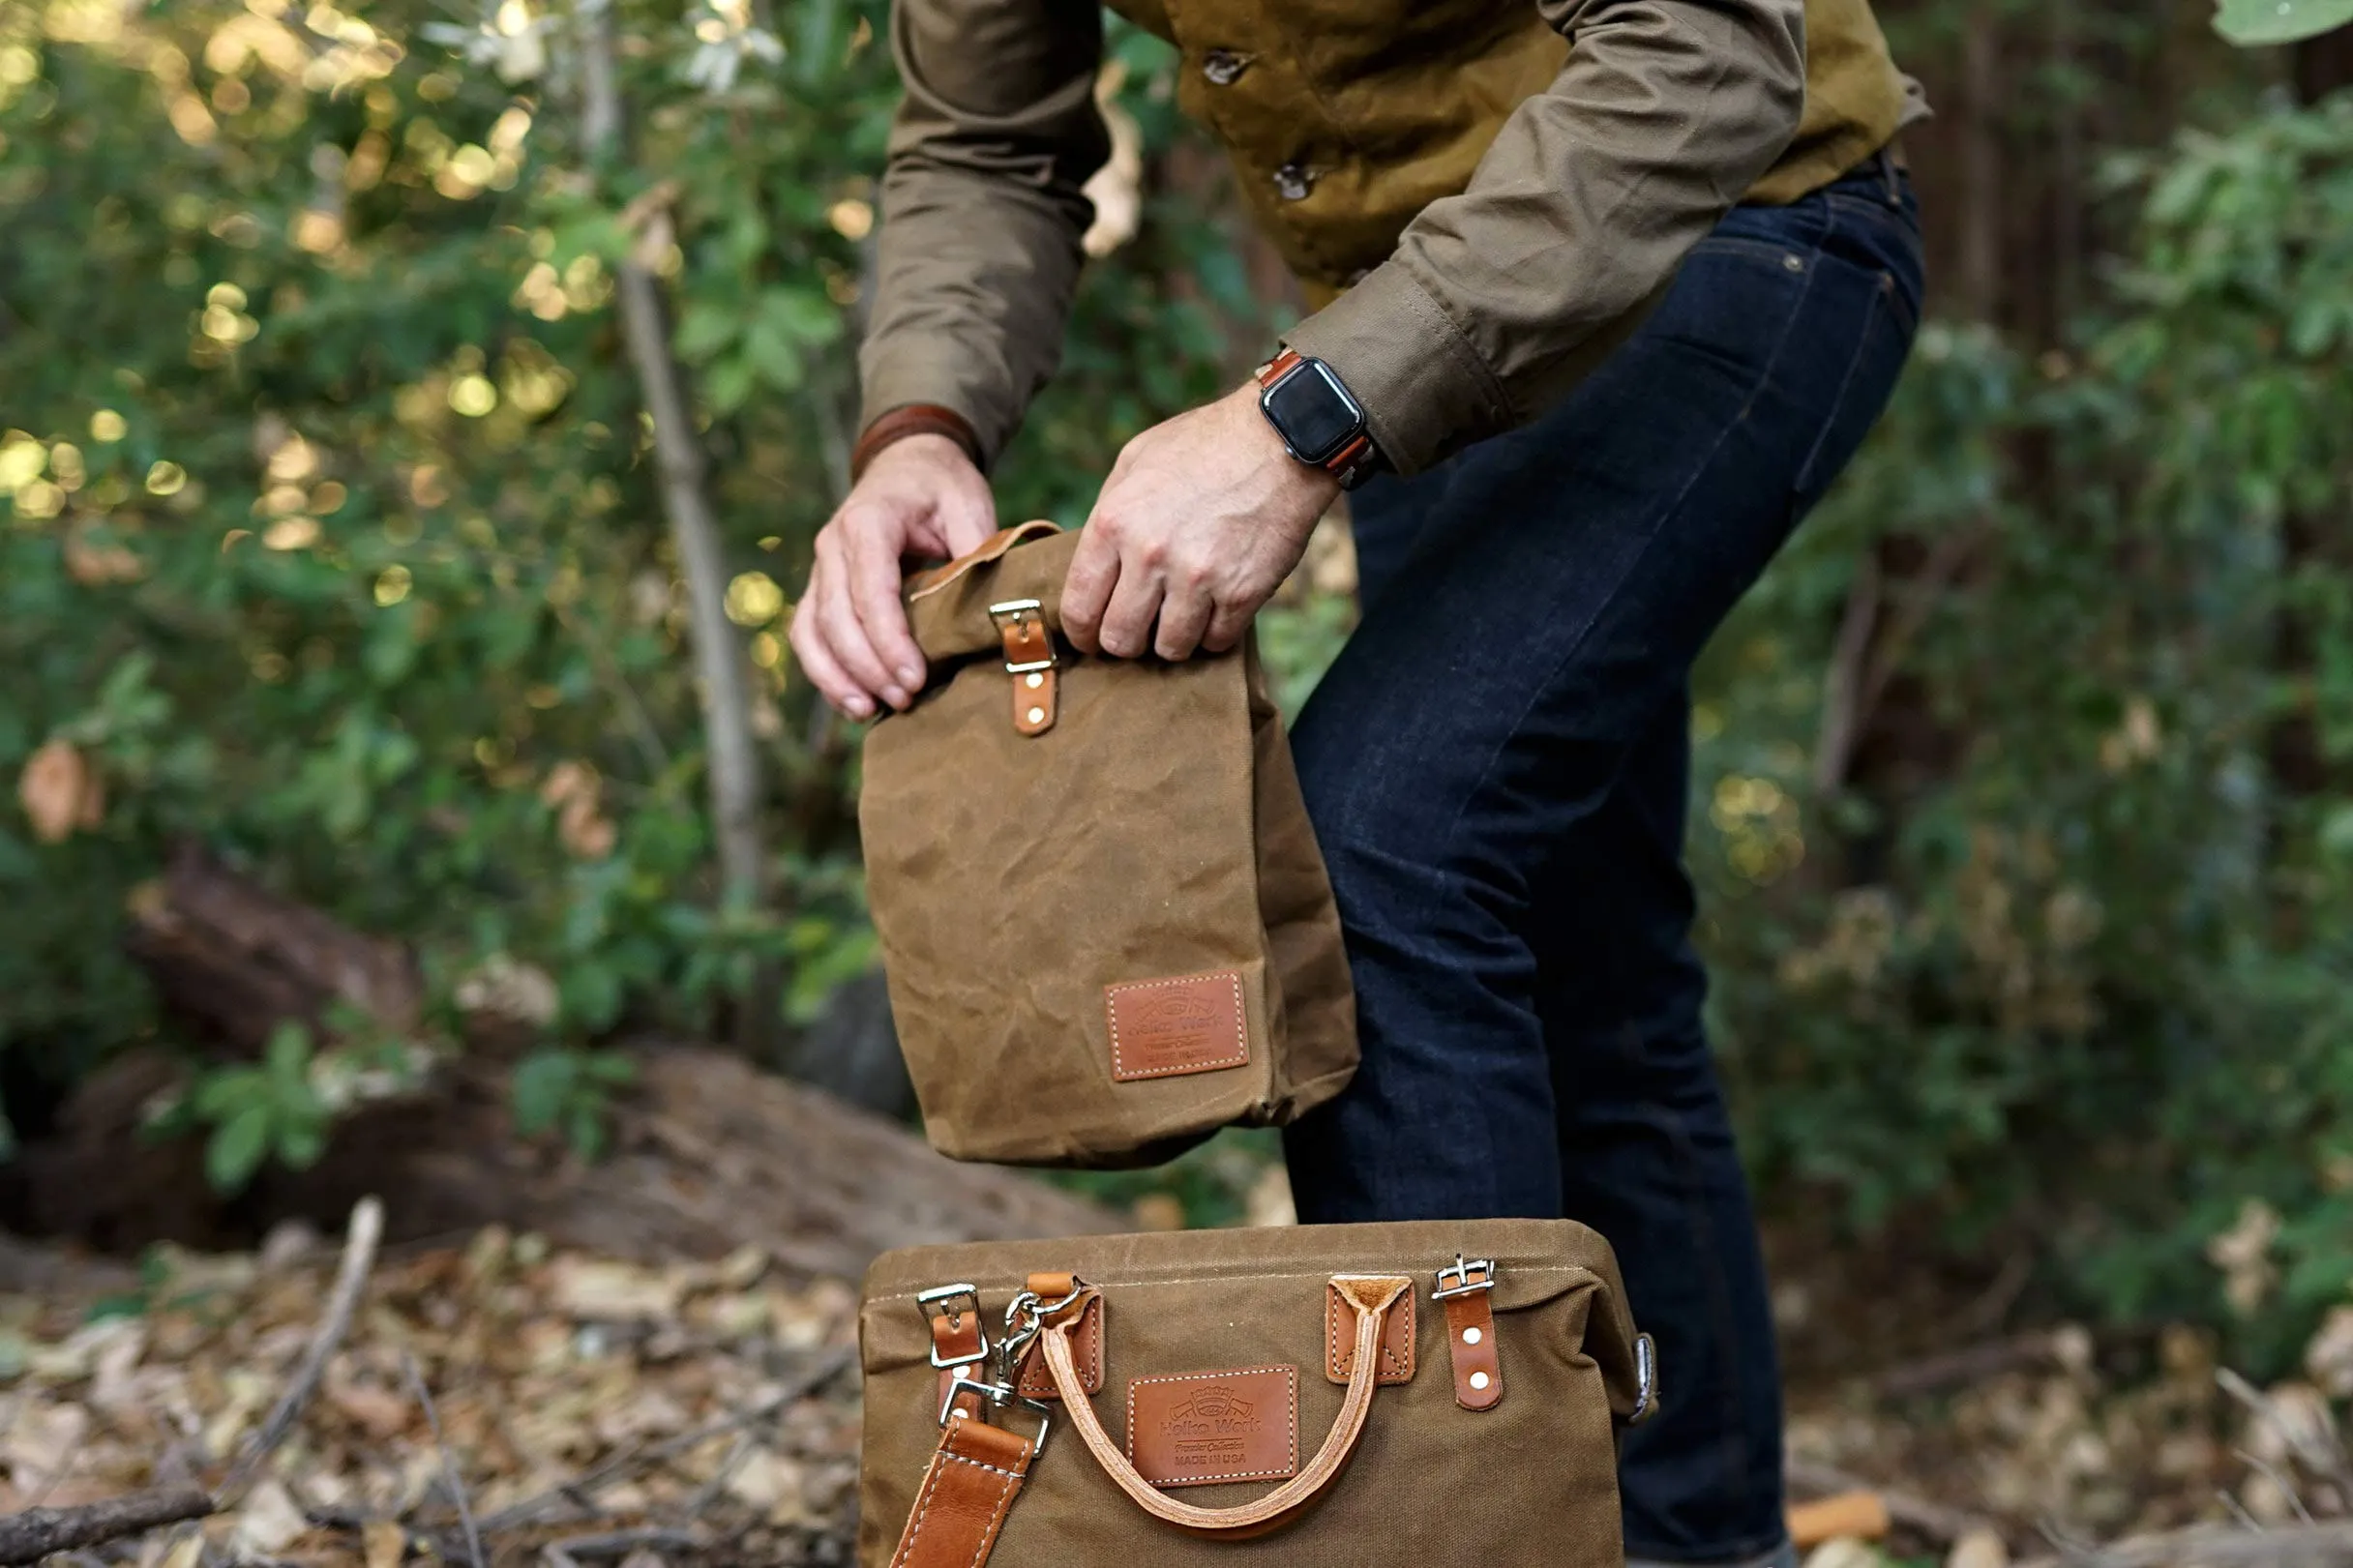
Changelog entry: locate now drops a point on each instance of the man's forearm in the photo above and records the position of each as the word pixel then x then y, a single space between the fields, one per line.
pixel 1497 301
pixel 982 209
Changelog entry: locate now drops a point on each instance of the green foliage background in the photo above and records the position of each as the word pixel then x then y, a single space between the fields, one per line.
pixel 330 543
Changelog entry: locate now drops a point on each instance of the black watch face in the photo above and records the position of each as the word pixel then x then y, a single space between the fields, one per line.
pixel 1314 413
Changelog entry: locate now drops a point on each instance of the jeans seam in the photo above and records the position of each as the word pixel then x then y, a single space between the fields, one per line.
pixel 1658 521
pixel 1846 381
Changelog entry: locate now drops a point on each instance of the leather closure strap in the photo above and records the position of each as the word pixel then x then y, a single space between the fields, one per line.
pixel 974 1476
pixel 1369 1296
pixel 924 584
pixel 1478 1373
pixel 1030 660
pixel 958 1345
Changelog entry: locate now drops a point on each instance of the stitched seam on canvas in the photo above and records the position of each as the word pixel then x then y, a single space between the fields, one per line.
pixel 1241 1026
pixel 1290 1376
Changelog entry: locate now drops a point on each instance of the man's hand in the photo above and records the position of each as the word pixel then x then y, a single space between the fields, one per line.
pixel 919 497
pixel 1201 521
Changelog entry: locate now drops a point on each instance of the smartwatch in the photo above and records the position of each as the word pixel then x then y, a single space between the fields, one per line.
pixel 1320 423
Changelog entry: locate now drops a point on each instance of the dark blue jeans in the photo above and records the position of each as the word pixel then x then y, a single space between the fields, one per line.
pixel 1497 768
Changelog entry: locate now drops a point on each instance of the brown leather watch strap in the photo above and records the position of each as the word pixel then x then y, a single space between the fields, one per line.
pixel 1478 1373
pixel 1349 464
pixel 974 1476
pixel 912 418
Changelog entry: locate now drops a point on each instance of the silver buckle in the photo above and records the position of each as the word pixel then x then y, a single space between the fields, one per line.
pixel 1012 612
pixel 926 1300
pixel 1460 1272
pixel 1646 1375
pixel 999 1397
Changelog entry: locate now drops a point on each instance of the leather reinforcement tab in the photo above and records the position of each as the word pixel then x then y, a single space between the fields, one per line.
pixel 1339 1340
pixel 1478 1372
pixel 974 1476
pixel 1207 1427
pixel 1038 1383
pixel 1162 1029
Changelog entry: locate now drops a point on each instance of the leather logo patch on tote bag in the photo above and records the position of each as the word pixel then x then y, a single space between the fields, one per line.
pixel 1206 1426
pixel 1089 964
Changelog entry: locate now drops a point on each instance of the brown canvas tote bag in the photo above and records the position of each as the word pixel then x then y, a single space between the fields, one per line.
pixel 1104 920
pixel 1318 1396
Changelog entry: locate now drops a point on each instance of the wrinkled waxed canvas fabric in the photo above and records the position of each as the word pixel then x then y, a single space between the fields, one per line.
pixel 1155 832
pixel 1529 1484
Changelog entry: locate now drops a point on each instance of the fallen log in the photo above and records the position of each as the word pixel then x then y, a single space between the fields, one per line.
pixel 707 1153
pixel 237 958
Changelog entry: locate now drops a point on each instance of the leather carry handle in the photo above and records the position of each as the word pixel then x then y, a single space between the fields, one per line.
pixel 1370 1295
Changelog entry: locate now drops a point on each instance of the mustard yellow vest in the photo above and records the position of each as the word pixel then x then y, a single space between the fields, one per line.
pixel 1395 100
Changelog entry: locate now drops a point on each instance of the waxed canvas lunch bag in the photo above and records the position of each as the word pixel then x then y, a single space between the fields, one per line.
pixel 1105 923
pixel 1319 1396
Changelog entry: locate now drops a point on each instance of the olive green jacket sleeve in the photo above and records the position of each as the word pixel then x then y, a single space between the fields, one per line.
pixel 981 206
pixel 1497 301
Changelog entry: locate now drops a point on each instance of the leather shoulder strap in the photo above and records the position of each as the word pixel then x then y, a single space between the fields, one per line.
pixel 974 1476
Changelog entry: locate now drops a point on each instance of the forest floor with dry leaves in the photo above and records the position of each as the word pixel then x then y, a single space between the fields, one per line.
pixel 498 1400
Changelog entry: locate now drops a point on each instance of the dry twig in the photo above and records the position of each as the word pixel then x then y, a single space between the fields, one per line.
pixel 39 1532
pixel 1970 1364
pixel 2212 1546
pixel 449 1464
pixel 360 1241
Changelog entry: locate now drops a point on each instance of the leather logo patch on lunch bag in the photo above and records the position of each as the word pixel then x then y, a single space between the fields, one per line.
pixel 1160 1028
pixel 1207 1427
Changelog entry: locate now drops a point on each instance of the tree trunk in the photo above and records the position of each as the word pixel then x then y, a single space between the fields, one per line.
pixel 1981 194
pixel 733 757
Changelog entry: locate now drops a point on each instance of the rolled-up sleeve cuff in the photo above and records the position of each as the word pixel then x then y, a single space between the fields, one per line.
pixel 1425 390
pixel 908 373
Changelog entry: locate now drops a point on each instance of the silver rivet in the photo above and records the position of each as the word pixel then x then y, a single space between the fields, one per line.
pixel 1472 1336
pixel 1036 680
pixel 1037 715
pixel 1292 182
pixel 1478 1380
pixel 1793 263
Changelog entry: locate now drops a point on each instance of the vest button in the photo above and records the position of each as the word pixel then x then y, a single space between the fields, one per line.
pixel 1292 181
pixel 1223 67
